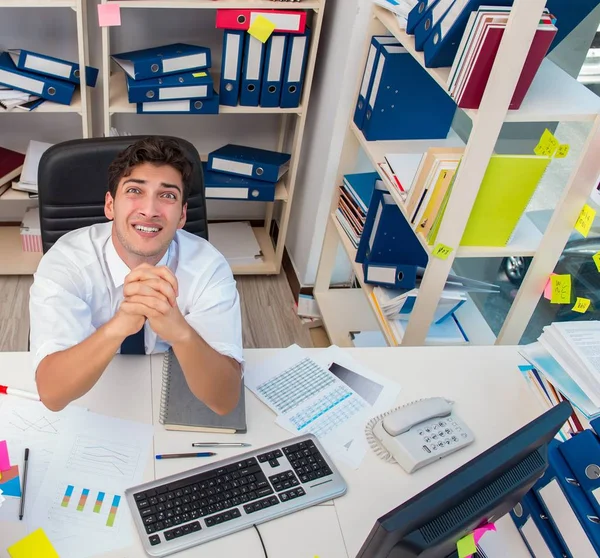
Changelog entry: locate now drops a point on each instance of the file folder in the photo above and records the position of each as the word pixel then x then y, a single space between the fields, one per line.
pixel 250 162
pixel 159 61
pixel 396 276
pixel 251 71
pixel 181 106
pixel 53 67
pixel 442 44
pixel 270 91
pixel 231 67
pixel 218 185
pixel 295 68
pixel 417 14
pixel 198 85
pixel 405 103
pixel 569 511
pixel 285 21
pixel 368 75
pixel 433 16
pixel 46 87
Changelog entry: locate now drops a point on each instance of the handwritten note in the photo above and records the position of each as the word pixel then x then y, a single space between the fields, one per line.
pixel 35 544
pixel 441 251
pixel 548 144
pixel 596 258
pixel 466 546
pixel 261 28
pixel 561 289
pixel 4 459
pixel 585 220
pixel 109 15
pixel 581 305
pixel 562 151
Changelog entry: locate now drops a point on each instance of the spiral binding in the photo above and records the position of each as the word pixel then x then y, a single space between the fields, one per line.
pixel 165 387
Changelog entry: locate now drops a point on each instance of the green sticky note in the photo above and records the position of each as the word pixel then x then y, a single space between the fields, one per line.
pixel 585 220
pixel 581 305
pixel 35 544
pixel 261 28
pixel 596 258
pixel 441 251
pixel 561 289
pixel 199 74
pixel 562 151
pixel 466 546
pixel 548 144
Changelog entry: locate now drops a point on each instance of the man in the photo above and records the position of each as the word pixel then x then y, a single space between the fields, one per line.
pixel 138 284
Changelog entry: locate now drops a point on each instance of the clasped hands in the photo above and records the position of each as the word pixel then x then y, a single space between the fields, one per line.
pixel 150 293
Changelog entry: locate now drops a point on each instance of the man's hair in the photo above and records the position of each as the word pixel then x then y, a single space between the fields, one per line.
pixel 154 150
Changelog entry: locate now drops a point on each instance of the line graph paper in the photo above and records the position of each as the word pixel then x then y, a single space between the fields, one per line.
pixel 103 457
pixel 41 424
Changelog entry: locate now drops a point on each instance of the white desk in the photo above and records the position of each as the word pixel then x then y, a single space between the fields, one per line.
pixel 490 396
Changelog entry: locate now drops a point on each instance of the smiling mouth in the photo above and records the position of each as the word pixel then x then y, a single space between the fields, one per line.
pixel 146 230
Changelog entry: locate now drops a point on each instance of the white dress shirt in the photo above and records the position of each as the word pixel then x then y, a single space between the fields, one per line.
pixel 78 287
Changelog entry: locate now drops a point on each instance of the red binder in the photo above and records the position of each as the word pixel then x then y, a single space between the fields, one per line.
pixel 11 164
pixel 286 21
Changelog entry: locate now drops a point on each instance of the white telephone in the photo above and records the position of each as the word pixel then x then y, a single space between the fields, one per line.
pixel 418 433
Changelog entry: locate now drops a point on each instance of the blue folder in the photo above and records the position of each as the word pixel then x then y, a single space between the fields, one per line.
pixel 272 78
pixel 360 186
pixel 417 14
pixel 181 106
pixel 231 67
pixel 295 68
pixel 196 85
pixel 250 162
pixel 254 54
pixel 434 14
pixel 218 185
pixel 568 16
pixel 53 67
pixel 406 103
pixel 46 87
pixel 366 86
pixel 163 60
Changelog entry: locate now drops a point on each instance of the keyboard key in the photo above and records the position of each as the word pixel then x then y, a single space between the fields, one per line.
pixel 143 504
pixel 186 529
pixel 169 535
pixel 150 529
pixel 262 458
pixel 195 526
pixel 210 521
pixel 274 463
pixel 139 496
pixel 154 540
pixel 277 453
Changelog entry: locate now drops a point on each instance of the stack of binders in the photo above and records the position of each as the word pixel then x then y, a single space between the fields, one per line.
pixel 42 77
pixel 244 173
pixel 171 79
pixel 269 74
pixel 398 100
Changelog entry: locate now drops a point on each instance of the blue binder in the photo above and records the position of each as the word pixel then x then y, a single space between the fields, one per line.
pixel 295 68
pixel 250 162
pixel 405 103
pixel 568 16
pixel 197 85
pixel 163 60
pixel 272 78
pixel 181 106
pixel 254 54
pixel 218 185
pixel 360 186
pixel 369 75
pixel 595 424
pixel 46 87
pixel 441 47
pixel 569 511
pixel 396 276
pixel 53 67
pixel 231 67
pixel 387 237
pixel 417 14
pixel 434 14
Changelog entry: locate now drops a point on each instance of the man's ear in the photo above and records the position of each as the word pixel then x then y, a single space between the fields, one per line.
pixel 183 218
pixel 109 206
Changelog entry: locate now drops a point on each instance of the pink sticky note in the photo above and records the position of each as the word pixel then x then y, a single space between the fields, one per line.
pixel 109 15
pixel 548 289
pixel 4 460
pixel 480 531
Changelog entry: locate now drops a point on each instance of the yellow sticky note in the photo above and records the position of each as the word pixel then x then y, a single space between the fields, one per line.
pixel 548 144
pixel 596 258
pixel 561 289
pixel 261 28
pixel 585 220
pixel 199 74
pixel 441 251
pixel 581 305
pixel 466 546
pixel 562 151
pixel 35 544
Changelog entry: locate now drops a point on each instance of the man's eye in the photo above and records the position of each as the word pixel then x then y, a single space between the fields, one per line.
pixel 170 196
pixel 133 190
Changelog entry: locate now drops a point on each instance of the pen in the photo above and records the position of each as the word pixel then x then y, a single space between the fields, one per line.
pixel 221 445
pixel 177 455
pixel 19 392
pixel 22 509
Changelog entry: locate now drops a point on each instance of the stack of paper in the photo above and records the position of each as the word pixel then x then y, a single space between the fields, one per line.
pixel 236 241
pixel 29 175
pixel 401 170
pixel 353 204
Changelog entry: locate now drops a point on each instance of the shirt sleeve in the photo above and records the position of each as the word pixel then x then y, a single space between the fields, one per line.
pixel 215 313
pixel 59 313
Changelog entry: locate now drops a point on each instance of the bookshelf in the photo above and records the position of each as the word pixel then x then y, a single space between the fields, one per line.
pixel 291 122
pixel 554 96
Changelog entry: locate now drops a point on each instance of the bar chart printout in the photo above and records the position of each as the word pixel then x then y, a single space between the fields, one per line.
pixel 99 500
pixel 67 497
pixel 113 511
pixel 83 499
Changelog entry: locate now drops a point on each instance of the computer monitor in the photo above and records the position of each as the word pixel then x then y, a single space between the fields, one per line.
pixel 484 489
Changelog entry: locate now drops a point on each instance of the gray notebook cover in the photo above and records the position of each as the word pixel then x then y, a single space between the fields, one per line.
pixel 181 410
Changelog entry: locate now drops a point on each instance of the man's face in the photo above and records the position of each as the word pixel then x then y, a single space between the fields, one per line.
pixel 147 209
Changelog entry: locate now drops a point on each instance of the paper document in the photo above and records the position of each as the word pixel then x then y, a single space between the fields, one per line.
pixel 236 241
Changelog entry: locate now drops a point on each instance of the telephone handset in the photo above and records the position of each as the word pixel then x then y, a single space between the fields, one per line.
pixel 419 433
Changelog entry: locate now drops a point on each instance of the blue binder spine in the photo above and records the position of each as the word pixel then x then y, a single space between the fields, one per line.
pixel 295 68
pixel 218 185
pixel 190 85
pixel 231 67
pixel 250 162
pixel 417 14
pixel 181 106
pixel 426 25
pixel 251 72
pixel 272 78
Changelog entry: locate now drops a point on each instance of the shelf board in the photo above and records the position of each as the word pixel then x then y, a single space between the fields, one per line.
pixel 49 106
pixel 38 3
pixel 553 96
pixel 120 104
pixel 13 260
pixel 210 4
pixel 268 264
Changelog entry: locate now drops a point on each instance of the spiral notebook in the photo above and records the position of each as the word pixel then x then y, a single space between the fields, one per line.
pixel 181 410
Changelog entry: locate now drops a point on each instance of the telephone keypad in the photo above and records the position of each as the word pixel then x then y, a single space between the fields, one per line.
pixel 441 435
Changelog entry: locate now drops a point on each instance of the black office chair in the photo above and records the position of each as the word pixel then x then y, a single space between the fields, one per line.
pixel 73 180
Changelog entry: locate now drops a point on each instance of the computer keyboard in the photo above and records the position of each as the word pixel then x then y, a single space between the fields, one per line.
pixel 205 503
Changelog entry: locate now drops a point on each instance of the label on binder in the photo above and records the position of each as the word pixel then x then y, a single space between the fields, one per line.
pixel 548 144
pixel 441 251
pixel 585 220
pixel 561 289
pixel 261 28
pixel 581 305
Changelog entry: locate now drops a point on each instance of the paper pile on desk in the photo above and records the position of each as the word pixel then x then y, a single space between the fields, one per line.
pixel 331 396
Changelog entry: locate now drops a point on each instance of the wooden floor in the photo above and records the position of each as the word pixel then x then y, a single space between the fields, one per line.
pixel 268 316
